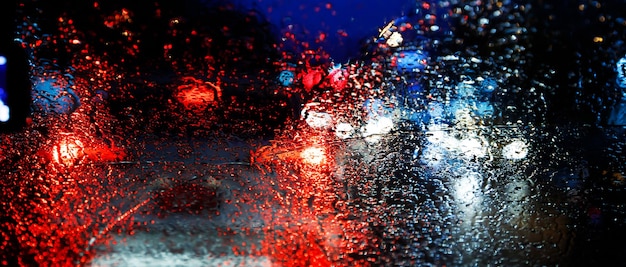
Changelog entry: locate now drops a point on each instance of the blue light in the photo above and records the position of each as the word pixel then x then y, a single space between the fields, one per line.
pixel 411 61
pixel 617 117
pixel 4 112
pixel 4 107
pixel 50 97
pixel 286 78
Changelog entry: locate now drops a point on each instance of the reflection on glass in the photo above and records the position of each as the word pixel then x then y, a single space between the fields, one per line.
pixel 198 133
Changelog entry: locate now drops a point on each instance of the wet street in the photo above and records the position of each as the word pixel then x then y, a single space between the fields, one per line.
pixel 380 204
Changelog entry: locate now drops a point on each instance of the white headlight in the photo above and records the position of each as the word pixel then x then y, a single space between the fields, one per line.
pixel 377 127
pixel 318 120
pixel 515 150
pixel 344 130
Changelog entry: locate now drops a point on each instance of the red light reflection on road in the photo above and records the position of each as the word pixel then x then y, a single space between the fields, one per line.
pixel 311 227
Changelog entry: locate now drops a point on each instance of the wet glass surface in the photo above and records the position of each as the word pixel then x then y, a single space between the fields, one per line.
pixel 203 133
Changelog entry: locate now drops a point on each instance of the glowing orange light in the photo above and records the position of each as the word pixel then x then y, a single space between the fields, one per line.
pixel 198 95
pixel 313 155
pixel 598 39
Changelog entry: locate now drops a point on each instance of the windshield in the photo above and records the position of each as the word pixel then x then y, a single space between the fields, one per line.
pixel 254 133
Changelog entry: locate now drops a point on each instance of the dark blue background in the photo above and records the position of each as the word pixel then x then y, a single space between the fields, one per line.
pixel 359 19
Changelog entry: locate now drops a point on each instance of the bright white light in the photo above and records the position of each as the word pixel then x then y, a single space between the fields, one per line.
pixel 4 112
pixel 466 188
pixel 135 257
pixel 3 60
pixel 433 156
pixel 515 150
pixel 377 127
pixel 395 39
pixel 344 130
pixel 313 155
pixel 462 117
pixel 318 120
pixel 436 134
pixel 471 147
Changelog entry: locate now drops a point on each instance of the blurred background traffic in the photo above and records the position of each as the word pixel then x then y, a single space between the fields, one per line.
pixel 303 133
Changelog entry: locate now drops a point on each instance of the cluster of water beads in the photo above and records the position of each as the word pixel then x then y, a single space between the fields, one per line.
pixel 333 181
